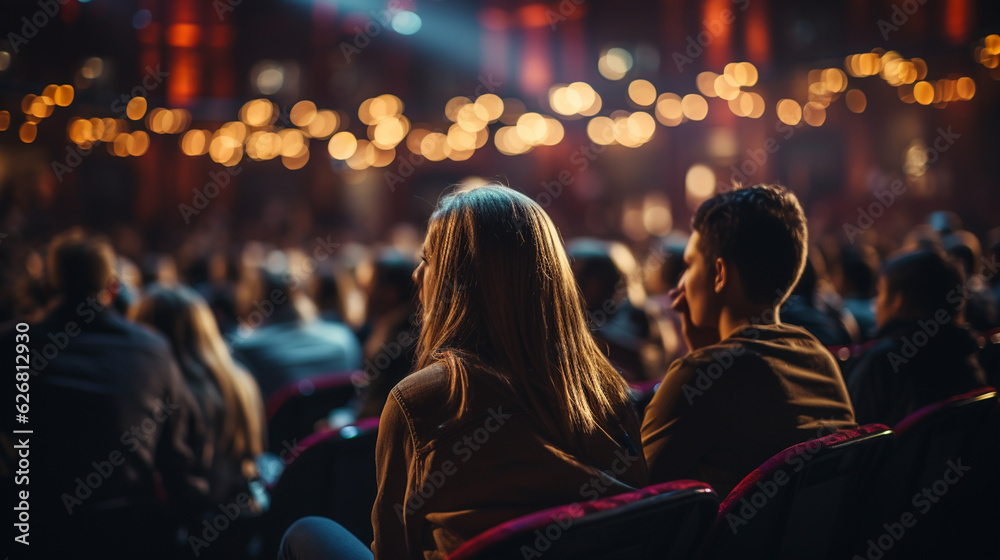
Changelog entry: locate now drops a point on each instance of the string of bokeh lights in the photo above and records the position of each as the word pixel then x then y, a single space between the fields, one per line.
pixel 258 135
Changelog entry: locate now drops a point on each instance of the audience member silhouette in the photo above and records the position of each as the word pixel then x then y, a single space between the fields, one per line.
pixel 505 364
pixel 925 353
pixel 752 385
pixel 858 273
pixel 663 270
pixel 391 340
pixel 806 307
pixel 619 326
pixel 289 342
pixel 115 426
pixel 227 396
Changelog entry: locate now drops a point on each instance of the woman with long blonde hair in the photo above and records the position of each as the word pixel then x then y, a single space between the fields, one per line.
pixel 513 408
pixel 228 397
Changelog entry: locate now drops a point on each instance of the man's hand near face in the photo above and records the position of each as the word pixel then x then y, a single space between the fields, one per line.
pixel 696 337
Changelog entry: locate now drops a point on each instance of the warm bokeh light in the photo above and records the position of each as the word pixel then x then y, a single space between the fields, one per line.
pixel 28 132
pixel 814 114
pixel 136 108
pixel 452 107
pixel 669 109
pixel 4 120
pixel 965 88
pixel 699 184
pixel 389 132
pixel 923 92
pixel 489 107
pixel 342 145
pixel 789 112
pixel 258 112
pixel 293 144
pixel 294 163
pixel 694 106
pixel 855 100
pixel 64 95
pixel 509 143
pixel 601 130
pixel 303 113
pixel 531 127
pixel 195 142
pixel 726 87
pixel 706 83
pixel 140 143
pixel 642 93
pixel 434 146
pixel 615 63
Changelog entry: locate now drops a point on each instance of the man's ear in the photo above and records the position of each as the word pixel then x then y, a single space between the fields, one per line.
pixel 722 273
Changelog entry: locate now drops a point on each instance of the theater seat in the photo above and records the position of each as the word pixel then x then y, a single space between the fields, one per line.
pixel 293 410
pixel 330 474
pixel 936 483
pixel 796 504
pixel 663 521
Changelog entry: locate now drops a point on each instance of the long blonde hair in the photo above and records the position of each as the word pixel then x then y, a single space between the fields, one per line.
pixel 502 294
pixel 182 315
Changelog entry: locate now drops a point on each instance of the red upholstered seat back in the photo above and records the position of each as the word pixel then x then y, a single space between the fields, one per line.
pixel 666 520
pixel 794 505
pixel 330 474
pixel 293 410
pixel 943 448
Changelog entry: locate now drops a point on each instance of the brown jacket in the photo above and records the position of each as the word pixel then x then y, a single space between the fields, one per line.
pixel 443 481
pixel 724 409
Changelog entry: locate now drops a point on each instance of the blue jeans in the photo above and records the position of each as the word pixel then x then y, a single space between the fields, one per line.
pixel 319 538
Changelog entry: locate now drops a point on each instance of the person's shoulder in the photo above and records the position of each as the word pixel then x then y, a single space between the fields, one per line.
pixel 424 388
pixel 332 330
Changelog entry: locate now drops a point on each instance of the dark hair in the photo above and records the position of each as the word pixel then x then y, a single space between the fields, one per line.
pixel 761 230
pixel 927 280
pixel 592 265
pixel 859 270
pixel 80 265
pixel 394 269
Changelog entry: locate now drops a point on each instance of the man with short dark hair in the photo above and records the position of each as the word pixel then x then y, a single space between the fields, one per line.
pixel 751 385
pixel 924 353
pixel 115 448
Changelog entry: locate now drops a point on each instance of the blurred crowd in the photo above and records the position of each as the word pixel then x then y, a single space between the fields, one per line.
pixel 217 333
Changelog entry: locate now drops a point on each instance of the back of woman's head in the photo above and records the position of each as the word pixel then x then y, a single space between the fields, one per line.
pixel 499 290
pixel 183 317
